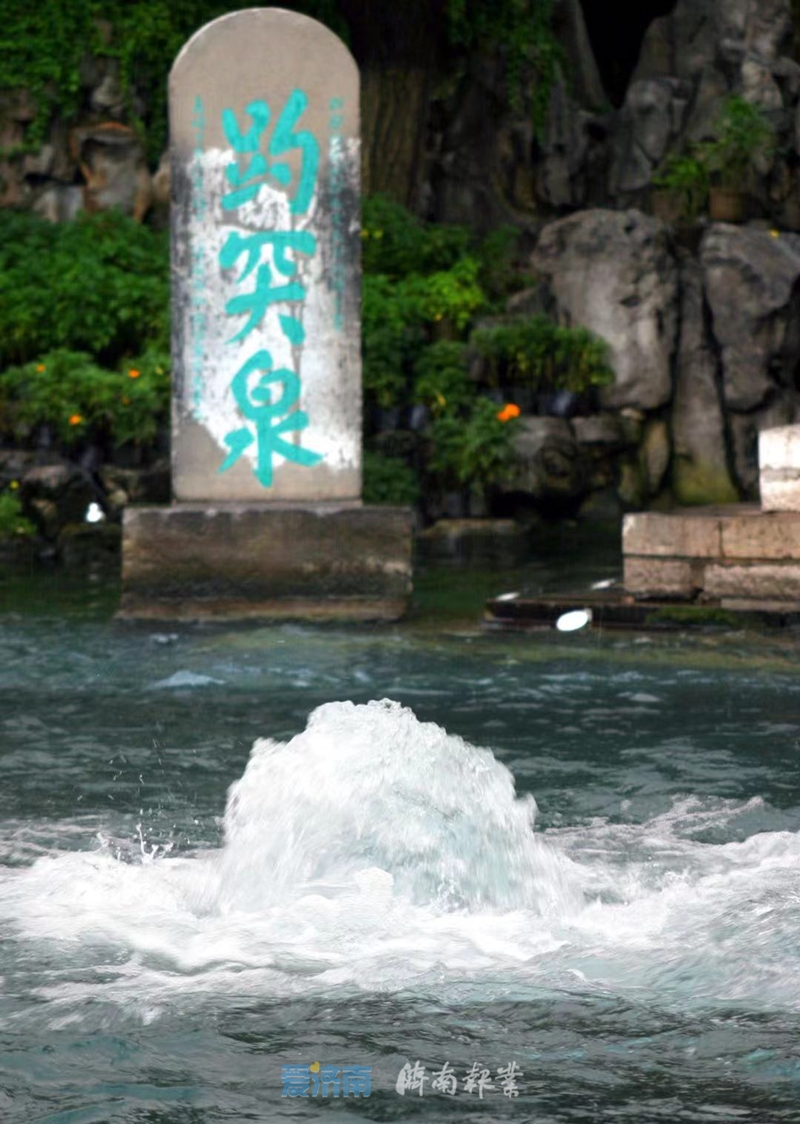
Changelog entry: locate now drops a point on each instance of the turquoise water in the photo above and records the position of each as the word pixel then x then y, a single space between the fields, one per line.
pixel 576 854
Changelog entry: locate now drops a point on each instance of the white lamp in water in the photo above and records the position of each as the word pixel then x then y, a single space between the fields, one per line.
pixel 94 513
pixel 575 619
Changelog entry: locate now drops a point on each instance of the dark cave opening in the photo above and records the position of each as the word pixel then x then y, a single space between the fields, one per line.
pixel 616 29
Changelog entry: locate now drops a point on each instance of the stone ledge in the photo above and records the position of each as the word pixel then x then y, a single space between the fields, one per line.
pixel 247 561
pixel 690 535
pixel 762 581
pixel 662 577
pixel 737 533
pixel 772 536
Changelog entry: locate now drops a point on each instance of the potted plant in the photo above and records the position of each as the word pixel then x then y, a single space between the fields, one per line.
pixel 743 134
pixel 681 188
pixel 473 451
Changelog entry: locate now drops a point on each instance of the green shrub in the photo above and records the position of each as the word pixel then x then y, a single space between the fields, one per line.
pixel 13 523
pixel 389 480
pixel 743 133
pixel 497 254
pixel 393 335
pixel 686 177
pixel 397 319
pixel 441 378
pixel 396 243
pixel 541 355
pixel 99 285
pixel 70 392
pixel 475 449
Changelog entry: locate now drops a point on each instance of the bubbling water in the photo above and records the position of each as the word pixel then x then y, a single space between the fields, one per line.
pixel 372 788
pixel 376 852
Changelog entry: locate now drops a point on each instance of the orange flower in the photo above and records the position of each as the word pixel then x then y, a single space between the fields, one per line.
pixel 40 367
pixel 509 411
pixel 133 373
pixel 76 419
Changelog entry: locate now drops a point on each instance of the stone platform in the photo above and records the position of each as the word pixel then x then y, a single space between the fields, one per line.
pixel 738 557
pixel 616 609
pixel 197 561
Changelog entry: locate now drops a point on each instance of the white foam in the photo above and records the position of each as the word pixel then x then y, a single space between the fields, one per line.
pixel 375 852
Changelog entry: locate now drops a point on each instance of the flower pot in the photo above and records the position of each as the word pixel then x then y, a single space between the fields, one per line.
pixel 667 206
pixel 727 204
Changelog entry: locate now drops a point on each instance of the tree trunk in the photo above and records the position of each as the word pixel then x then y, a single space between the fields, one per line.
pixel 397 48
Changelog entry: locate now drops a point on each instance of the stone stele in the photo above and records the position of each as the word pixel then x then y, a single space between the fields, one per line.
pixel 264 126
pixel 266 343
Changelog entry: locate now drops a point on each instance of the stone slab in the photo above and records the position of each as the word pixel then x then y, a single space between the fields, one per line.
pixel 758 581
pixel 265 167
pixel 662 577
pixel 767 536
pixel 779 468
pixel 690 535
pixel 751 605
pixel 248 561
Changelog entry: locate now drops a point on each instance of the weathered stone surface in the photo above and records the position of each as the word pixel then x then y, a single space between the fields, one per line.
pixel 779 460
pixel 700 472
pixel 112 160
pixel 774 582
pixel 193 561
pixel 57 494
pixel 266 344
pixel 60 203
pixel 662 577
pixel 614 273
pixel 645 127
pixel 654 454
pixel 603 431
pixel 563 149
pixel 549 465
pixel 139 485
pixel 677 535
pixel 751 284
pixel 760 535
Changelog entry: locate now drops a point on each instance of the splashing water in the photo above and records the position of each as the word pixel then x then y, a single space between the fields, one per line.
pixel 376 852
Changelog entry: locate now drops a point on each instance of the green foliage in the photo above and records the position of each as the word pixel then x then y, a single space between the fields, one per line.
pixel 687 178
pixel 396 243
pixel 70 392
pixel 13 523
pixel 523 31
pixel 475 449
pixel 541 355
pixel 743 133
pixel 393 336
pixel 496 254
pixel 100 285
pixel 422 280
pixel 81 305
pixel 44 44
pixel 389 480
pixel 441 377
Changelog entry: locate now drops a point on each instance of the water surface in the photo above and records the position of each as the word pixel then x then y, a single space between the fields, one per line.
pixel 575 854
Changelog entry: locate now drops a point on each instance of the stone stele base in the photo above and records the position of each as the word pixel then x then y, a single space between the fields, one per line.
pixel 194 561
pixel 737 557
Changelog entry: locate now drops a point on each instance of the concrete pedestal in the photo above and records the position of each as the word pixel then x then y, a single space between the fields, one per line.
pixel 244 561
